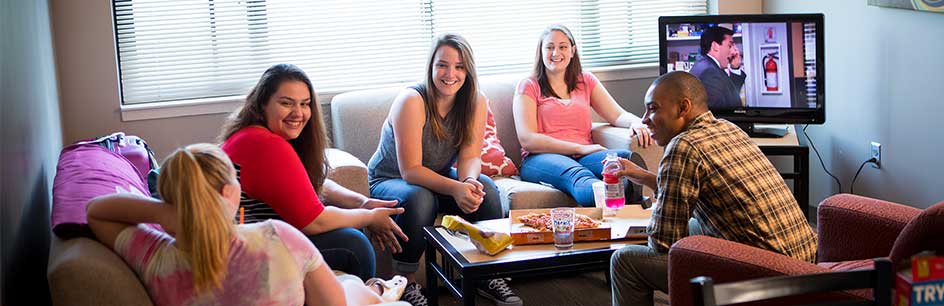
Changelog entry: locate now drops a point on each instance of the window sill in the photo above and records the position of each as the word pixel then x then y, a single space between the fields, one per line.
pixel 180 108
pixel 221 105
pixel 626 72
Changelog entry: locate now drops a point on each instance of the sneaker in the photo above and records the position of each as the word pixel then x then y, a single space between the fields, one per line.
pixel 413 294
pixel 498 291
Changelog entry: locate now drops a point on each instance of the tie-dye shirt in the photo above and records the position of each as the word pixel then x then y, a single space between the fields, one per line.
pixel 267 266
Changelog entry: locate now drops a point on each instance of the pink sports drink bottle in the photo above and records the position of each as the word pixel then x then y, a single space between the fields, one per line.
pixel 613 186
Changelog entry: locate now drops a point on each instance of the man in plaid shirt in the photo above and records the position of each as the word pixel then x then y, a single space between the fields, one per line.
pixel 713 180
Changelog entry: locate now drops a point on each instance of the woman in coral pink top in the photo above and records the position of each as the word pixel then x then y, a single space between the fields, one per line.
pixel 277 142
pixel 206 259
pixel 552 110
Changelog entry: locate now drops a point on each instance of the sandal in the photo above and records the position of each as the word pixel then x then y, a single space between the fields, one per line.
pixel 391 290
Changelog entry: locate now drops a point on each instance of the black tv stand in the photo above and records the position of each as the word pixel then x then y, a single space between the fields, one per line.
pixel 762 132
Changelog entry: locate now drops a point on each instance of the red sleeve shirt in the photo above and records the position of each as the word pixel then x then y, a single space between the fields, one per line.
pixel 271 172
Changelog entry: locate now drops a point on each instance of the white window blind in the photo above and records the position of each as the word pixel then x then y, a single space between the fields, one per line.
pixel 170 50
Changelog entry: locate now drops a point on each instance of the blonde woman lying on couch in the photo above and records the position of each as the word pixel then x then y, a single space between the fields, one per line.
pixel 204 258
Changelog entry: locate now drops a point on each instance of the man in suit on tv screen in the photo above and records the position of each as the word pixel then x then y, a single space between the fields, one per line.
pixel 719 68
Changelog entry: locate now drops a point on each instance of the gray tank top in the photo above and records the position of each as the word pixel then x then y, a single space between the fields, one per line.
pixel 438 154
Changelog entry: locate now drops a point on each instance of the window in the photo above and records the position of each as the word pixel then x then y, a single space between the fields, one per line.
pixel 172 50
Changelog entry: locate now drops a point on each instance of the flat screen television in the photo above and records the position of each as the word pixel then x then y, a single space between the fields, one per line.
pixel 780 76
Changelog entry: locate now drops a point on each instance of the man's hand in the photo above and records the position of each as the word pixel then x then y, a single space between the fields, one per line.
pixel 383 231
pixel 633 172
pixel 735 58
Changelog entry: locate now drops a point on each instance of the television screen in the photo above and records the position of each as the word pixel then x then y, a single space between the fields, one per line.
pixel 755 68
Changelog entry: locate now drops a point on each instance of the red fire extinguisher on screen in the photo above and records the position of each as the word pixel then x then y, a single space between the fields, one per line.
pixel 770 72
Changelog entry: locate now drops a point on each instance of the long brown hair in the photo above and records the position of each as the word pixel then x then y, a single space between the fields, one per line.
pixel 191 180
pixel 464 107
pixel 571 75
pixel 310 144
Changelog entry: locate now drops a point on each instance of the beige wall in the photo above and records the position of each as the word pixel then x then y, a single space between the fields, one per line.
pixel 87 70
pixel 88 82
pixel 735 6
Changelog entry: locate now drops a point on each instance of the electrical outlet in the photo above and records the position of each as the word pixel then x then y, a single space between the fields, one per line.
pixel 877 155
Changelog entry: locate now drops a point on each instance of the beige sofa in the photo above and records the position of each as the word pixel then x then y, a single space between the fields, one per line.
pixel 357 118
pixel 82 271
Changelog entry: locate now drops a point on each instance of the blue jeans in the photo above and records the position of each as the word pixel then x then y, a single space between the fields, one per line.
pixel 574 177
pixel 347 250
pixel 421 206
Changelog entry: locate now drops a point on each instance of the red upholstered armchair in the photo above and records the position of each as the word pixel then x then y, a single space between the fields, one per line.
pixel 851 229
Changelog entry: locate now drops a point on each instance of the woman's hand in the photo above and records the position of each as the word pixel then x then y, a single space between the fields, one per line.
pixel 643 135
pixel 383 231
pixel 469 195
pixel 371 203
pixel 590 148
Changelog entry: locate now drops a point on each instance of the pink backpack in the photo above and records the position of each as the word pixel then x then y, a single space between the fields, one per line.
pixel 95 167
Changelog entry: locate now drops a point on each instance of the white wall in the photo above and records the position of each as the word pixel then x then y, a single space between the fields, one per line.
pixel 883 83
pixel 31 140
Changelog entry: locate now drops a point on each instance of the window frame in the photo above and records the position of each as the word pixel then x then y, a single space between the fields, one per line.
pixel 226 104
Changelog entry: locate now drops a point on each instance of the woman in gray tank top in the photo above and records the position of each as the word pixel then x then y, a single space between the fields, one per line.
pixel 430 127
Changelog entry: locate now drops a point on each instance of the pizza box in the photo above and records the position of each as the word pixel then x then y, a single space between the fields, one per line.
pixel 629 223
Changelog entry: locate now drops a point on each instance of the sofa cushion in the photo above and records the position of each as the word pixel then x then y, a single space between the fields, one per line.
pixel 347 171
pixel 517 194
pixel 357 118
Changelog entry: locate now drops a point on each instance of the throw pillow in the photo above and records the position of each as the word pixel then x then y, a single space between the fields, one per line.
pixel 494 161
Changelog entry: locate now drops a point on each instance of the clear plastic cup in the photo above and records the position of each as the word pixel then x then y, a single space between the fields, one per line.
pixel 562 222
pixel 599 194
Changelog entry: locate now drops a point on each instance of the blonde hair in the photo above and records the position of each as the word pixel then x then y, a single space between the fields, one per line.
pixel 191 180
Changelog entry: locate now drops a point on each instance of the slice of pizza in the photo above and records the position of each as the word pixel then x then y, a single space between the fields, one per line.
pixel 538 221
pixel 583 221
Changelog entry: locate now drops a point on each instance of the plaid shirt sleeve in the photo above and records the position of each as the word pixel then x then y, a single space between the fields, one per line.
pixel 678 185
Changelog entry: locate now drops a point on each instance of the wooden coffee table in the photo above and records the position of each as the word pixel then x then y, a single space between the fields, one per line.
pixel 460 266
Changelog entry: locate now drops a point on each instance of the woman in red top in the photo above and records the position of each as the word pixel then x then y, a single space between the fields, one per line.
pixel 277 142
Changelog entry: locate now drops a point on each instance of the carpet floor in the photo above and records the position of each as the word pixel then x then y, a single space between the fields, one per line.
pixel 587 288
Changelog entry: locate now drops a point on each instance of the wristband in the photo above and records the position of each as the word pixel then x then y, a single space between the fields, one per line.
pixel 467 178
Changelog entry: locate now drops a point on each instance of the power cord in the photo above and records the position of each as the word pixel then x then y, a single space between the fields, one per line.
pixel 821 159
pixel 854 178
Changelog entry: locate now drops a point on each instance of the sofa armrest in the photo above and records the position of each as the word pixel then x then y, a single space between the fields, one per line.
pixel 83 271
pixel 727 261
pixel 853 227
pixel 613 137
pixel 347 171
